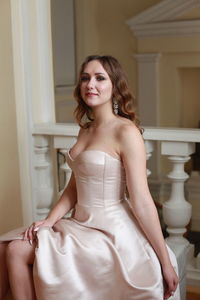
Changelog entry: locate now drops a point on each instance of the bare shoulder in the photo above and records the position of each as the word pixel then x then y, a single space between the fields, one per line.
pixel 130 139
pixel 128 130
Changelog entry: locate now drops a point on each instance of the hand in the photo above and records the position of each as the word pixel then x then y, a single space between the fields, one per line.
pixel 170 281
pixel 30 233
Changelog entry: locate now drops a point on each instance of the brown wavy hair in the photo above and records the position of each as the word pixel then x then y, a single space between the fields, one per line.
pixel 121 93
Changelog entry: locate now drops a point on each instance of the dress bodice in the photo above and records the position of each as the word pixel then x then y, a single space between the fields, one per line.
pixel 100 178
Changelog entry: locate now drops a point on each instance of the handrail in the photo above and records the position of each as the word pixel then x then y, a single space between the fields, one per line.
pixel 150 133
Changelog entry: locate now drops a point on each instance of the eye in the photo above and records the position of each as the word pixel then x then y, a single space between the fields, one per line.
pixel 84 78
pixel 100 78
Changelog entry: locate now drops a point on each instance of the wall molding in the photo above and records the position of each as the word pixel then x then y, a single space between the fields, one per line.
pixel 160 20
pixel 148 57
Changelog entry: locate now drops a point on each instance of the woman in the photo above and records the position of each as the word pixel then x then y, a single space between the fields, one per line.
pixel 111 247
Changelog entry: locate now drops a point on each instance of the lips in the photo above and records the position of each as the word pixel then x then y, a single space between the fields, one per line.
pixel 91 94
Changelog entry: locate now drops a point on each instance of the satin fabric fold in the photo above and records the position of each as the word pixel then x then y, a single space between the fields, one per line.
pixel 100 253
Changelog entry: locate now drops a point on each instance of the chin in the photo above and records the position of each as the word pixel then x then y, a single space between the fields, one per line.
pixel 91 103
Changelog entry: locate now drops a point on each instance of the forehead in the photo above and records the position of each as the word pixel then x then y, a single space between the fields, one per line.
pixel 94 66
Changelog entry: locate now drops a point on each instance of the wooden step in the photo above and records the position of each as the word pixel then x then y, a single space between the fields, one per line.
pixel 193 293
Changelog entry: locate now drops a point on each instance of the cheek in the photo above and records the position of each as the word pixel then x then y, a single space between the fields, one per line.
pixel 108 90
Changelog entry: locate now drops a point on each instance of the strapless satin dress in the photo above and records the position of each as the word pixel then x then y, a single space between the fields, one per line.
pixel 100 253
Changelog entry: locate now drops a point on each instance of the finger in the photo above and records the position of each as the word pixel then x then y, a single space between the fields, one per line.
pixel 167 295
pixel 171 286
pixel 167 290
pixel 30 234
pixel 38 225
pixel 174 286
pixel 176 283
pixel 25 237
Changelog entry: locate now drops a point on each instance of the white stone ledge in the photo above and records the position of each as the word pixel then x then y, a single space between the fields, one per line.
pixel 150 133
pixel 172 134
pixel 57 129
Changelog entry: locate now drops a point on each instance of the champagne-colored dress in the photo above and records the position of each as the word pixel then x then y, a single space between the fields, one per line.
pixel 100 253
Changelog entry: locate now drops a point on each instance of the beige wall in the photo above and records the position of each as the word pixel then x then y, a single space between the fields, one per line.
pixel 179 103
pixel 101 29
pixel 10 206
pixel 190 97
pixel 179 90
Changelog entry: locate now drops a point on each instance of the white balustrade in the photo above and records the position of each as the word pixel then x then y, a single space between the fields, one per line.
pixel 176 144
pixel 149 145
pixel 177 211
pixel 43 177
pixel 65 168
pixel 63 144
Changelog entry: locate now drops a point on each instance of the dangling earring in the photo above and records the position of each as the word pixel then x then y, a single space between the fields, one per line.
pixel 115 107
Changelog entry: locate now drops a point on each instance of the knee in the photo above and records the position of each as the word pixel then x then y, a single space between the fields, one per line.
pixel 13 250
pixel 19 251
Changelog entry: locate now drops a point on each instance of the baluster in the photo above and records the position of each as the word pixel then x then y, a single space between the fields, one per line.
pixel 43 179
pixel 65 168
pixel 60 143
pixel 177 211
pixel 149 146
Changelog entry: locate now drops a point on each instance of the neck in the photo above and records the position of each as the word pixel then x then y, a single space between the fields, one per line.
pixel 102 118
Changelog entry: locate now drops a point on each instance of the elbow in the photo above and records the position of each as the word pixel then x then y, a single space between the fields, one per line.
pixel 142 206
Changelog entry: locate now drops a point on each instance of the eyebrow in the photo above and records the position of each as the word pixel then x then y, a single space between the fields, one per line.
pixel 98 73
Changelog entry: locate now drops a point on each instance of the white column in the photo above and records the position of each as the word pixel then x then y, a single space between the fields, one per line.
pixel 148 88
pixel 177 211
pixel 34 90
pixel 148 98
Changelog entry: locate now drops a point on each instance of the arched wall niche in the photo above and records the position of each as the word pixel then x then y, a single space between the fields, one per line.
pixel 168 59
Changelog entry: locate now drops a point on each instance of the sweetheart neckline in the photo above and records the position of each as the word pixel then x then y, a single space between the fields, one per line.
pixel 69 155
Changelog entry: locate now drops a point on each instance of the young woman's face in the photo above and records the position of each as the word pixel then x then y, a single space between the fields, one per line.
pixel 96 86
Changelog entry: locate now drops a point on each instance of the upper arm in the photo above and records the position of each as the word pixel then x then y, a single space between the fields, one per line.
pixel 133 154
pixel 71 191
pixel 72 182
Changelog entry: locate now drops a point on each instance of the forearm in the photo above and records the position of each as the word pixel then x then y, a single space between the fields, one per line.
pixel 134 160
pixel 63 206
pixel 147 217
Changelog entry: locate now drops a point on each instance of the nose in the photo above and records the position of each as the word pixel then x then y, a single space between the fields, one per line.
pixel 90 83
